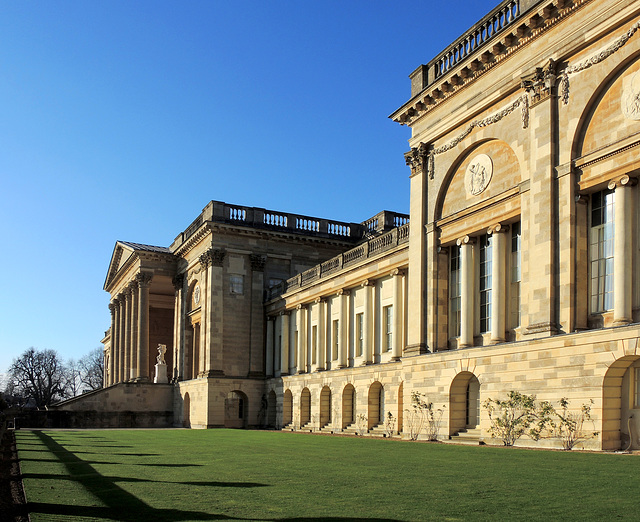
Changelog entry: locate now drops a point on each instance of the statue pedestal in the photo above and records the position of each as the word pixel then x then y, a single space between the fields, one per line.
pixel 161 374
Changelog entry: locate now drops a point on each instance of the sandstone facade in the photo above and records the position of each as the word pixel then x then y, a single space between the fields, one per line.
pixel 519 269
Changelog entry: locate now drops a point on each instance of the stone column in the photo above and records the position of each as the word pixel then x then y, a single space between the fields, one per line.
pixel 127 335
pixel 343 331
pixel 133 359
pixel 121 336
pixel 367 319
pixel 284 343
pixel 269 343
pixel 498 282
pixel 623 250
pixel 112 348
pixel 467 291
pixel 292 349
pixel 322 334
pixel 398 310
pixel 178 327
pixel 301 322
pixel 144 281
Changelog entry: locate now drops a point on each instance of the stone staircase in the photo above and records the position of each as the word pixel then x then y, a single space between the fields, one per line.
pixel 470 436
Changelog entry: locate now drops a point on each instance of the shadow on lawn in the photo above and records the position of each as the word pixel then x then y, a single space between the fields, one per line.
pixel 119 504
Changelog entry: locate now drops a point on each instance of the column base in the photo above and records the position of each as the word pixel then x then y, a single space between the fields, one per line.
pixel 416 349
pixel 621 322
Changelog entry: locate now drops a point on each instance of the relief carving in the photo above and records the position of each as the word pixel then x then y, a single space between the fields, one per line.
pixel 631 98
pixel 478 175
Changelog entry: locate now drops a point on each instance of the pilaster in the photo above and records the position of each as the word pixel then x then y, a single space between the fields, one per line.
pixel 541 241
pixel 258 263
pixel 417 308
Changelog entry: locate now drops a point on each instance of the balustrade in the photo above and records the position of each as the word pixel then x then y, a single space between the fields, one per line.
pixel 489 27
pixel 367 249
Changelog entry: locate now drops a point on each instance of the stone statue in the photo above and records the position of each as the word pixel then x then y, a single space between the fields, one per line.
pixel 162 349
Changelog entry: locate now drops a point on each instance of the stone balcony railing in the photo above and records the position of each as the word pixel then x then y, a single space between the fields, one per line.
pixel 506 15
pixel 260 218
pixel 365 250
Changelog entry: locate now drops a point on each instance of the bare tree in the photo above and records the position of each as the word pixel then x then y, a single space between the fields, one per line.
pixel 74 378
pixel 38 377
pixel 92 370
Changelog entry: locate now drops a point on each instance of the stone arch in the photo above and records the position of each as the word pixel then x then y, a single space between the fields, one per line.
pixel 600 115
pixel 464 402
pixel 325 406
pixel 287 408
pixel 186 411
pixel 348 406
pixel 453 196
pixel 375 411
pixel 236 409
pixel 271 409
pixel 621 404
pixel 305 407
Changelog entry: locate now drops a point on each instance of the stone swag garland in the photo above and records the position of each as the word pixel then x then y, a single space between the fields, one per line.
pixel 523 100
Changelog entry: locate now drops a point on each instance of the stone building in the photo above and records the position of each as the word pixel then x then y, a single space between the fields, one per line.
pixel 518 269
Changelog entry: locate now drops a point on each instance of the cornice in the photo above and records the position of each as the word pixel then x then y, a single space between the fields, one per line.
pixel 495 53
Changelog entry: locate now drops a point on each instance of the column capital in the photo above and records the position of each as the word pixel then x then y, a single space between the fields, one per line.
pixel 367 282
pixel 144 279
pixel 131 287
pixel 119 299
pixel 301 307
pixel 213 257
pixel 622 181
pixel 257 262
pixel 464 240
pixel 342 291
pixel 285 313
pixel 320 300
pixel 112 308
pixel 416 159
pixel 497 229
pixel 397 272
pixel 178 282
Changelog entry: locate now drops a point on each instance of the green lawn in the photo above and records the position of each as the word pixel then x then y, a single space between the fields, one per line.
pixel 140 475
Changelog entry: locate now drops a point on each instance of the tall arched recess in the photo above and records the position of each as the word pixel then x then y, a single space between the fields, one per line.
pixel 464 402
pixel 621 404
pixel 348 406
pixel 287 408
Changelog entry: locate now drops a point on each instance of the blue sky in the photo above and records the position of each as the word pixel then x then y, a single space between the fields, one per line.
pixel 121 120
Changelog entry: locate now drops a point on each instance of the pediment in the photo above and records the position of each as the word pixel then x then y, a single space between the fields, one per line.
pixel 123 253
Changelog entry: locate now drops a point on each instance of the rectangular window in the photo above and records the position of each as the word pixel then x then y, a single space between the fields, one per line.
pixel 314 344
pixel 236 284
pixel 485 283
pixel 601 250
pixel 516 276
pixel 359 334
pixel 336 339
pixel 455 295
pixel 388 328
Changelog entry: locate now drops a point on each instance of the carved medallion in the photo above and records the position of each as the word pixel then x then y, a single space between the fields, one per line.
pixel 478 175
pixel 631 98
